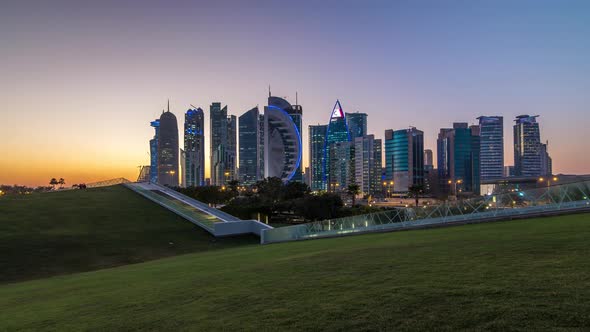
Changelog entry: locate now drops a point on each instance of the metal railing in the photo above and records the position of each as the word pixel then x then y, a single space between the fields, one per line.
pixel 561 198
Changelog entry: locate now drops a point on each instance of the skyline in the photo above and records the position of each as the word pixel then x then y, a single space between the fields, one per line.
pixel 83 83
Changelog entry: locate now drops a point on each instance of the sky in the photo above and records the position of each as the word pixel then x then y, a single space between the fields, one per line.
pixel 80 82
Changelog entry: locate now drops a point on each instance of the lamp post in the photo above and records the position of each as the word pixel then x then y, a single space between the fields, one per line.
pixel 454 183
pixel 549 179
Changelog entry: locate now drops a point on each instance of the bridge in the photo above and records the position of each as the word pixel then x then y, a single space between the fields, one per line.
pixel 214 221
pixel 537 202
pixel 565 198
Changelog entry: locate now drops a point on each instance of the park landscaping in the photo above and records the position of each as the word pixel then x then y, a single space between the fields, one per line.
pixel 520 275
pixel 47 234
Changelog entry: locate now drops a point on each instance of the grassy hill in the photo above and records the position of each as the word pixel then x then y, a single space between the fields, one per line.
pixel 80 230
pixel 521 275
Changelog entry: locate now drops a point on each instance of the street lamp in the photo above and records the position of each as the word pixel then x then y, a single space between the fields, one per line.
pixel 454 183
pixel 549 179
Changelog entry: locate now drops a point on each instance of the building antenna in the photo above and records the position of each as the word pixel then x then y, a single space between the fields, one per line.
pixel 168 104
pixel 296 103
pixel 269 91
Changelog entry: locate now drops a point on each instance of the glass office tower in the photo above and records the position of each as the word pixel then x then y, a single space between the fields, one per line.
pixel 357 124
pixel 194 147
pixel 154 151
pixel 223 145
pixel 367 164
pixel 317 143
pixel 404 155
pixel 491 147
pixel 458 159
pixel 282 141
pixel 249 147
pixel 337 132
pixel 527 146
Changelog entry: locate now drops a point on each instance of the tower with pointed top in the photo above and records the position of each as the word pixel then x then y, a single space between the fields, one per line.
pixel 168 149
pixel 337 132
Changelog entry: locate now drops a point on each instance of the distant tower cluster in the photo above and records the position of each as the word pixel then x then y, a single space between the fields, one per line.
pixel 341 152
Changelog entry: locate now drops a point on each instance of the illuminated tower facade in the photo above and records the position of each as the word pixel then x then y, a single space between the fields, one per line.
pixel 194 147
pixel 282 140
pixel 337 132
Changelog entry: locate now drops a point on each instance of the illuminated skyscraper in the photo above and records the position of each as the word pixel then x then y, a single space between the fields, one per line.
pixel 154 151
pixel 528 147
pixel 168 149
pixel 223 145
pixel 194 147
pixel 341 172
pixel 367 164
pixel 317 155
pixel 404 158
pixel 491 147
pixel 357 124
pixel 337 132
pixel 249 147
pixel 458 159
pixel 282 140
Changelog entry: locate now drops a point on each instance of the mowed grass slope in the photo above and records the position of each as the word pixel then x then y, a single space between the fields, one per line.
pixel 521 275
pixel 80 230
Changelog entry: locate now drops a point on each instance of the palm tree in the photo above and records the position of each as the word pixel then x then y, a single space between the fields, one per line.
pixel 353 190
pixel 61 182
pixel 53 183
pixel 415 191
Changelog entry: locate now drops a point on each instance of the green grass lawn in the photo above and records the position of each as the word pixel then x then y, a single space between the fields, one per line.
pixel 80 230
pixel 520 275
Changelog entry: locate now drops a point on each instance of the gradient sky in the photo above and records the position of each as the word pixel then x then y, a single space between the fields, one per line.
pixel 80 82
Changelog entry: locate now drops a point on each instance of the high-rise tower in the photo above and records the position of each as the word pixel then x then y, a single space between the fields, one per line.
pixel 249 146
pixel 194 147
pixel 317 155
pixel 404 158
pixel 357 124
pixel 154 151
pixel 458 158
pixel 337 132
pixel 168 149
pixel 527 146
pixel 282 140
pixel 491 147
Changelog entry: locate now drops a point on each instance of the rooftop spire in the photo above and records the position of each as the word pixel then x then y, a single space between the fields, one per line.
pixel 269 91
pixel 168 104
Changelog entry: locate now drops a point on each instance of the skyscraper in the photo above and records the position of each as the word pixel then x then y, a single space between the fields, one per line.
pixel 261 146
pixel 404 158
pixel 337 132
pixel 341 172
pixel 223 146
pixel 282 141
pixel 182 177
pixel 491 147
pixel 367 164
pixel 154 151
pixel 168 149
pixel 317 145
pixel 296 113
pixel 249 146
pixel 232 148
pixel 428 159
pixel 527 146
pixel 357 124
pixel 546 162
pixel 194 147
pixel 458 159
